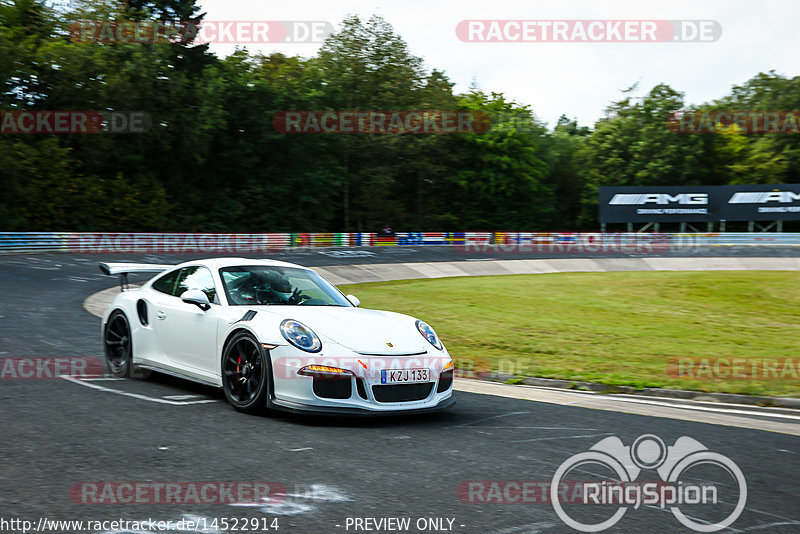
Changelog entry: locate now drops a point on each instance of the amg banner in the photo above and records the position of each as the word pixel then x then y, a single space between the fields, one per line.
pixel 770 202
pixel 760 202
pixel 657 204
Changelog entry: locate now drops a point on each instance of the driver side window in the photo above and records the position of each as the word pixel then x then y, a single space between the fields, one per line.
pixel 179 281
pixel 196 278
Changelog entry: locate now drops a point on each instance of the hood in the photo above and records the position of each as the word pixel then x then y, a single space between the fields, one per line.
pixel 361 330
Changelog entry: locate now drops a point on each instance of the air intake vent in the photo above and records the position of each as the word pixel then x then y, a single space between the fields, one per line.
pixel 445 381
pixel 362 392
pixel 332 388
pixel 402 392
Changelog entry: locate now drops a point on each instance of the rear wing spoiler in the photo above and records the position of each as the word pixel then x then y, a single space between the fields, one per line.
pixel 123 269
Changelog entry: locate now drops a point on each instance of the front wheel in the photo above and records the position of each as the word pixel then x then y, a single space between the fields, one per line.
pixel 245 374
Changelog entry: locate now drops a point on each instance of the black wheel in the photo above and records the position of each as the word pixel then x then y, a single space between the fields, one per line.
pixel 245 373
pixel 119 348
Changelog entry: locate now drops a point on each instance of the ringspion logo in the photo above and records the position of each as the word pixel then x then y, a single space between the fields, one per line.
pixel 679 489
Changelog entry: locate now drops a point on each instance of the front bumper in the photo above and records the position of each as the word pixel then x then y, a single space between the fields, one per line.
pixel 362 392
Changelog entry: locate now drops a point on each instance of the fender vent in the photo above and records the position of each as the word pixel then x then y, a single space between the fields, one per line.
pixel 249 314
pixel 141 310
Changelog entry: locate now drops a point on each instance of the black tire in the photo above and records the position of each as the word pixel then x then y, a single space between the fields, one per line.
pixel 118 348
pixel 245 373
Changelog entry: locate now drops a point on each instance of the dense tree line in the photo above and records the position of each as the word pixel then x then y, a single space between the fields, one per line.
pixel 212 160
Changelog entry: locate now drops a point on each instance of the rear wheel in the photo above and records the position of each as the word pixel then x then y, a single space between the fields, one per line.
pixel 245 373
pixel 119 348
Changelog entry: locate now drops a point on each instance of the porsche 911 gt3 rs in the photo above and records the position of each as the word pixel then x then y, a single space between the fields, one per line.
pixel 273 335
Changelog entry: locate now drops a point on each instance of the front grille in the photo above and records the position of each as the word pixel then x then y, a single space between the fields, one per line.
pixel 326 387
pixel 402 392
pixel 445 381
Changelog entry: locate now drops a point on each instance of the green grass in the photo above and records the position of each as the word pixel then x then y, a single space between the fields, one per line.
pixel 617 328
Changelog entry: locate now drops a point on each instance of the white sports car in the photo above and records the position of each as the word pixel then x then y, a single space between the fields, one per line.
pixel 273 335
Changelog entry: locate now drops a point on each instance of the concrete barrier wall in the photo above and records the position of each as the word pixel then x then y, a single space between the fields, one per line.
pixel 540 242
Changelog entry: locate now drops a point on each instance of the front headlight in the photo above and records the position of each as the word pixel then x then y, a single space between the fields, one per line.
pixel 428 333
pixel 300 336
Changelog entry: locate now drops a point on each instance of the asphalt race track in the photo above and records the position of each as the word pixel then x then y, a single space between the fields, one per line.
pixel 60 434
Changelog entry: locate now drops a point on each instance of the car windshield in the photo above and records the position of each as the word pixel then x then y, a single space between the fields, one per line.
pixel 276 286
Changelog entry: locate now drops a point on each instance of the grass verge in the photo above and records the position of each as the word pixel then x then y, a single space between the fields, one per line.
pixel 622 328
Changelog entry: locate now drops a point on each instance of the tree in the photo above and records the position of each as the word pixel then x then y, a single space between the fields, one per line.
pixel 632 145
pixel 497 181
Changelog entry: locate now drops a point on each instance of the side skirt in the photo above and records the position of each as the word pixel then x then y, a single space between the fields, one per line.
pixel 177 374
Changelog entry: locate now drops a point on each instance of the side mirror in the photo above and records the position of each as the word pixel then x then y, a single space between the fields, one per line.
pixel 354 300
pixel 196 297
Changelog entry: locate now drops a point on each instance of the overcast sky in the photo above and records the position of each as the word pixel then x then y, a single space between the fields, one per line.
pixel 578 79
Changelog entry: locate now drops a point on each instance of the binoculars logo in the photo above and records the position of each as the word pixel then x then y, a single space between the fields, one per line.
pixel 648 452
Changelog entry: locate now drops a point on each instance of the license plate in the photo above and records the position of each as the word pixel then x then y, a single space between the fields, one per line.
pixel 403 376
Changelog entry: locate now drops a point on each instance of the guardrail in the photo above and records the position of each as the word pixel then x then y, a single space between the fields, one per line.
pixel 32 242
pixel 207 243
